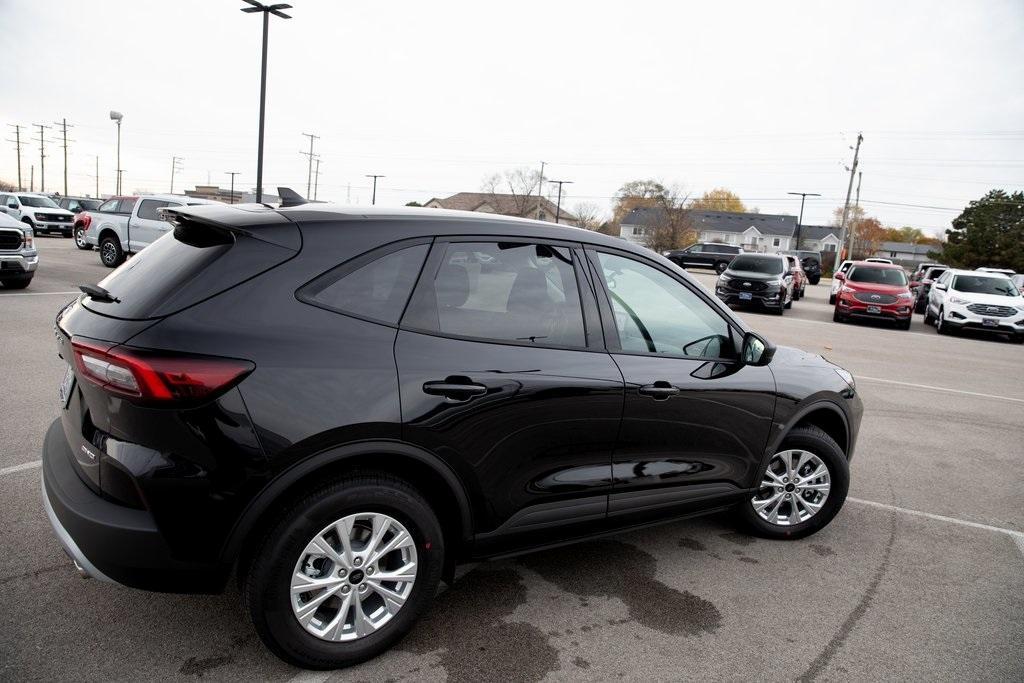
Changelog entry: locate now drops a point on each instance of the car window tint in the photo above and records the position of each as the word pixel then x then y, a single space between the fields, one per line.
pixel 977 284
pixel 126 205
pixel 878 276
pixel 766 265
pixel 506 291
pixel 377 290
pixel 695 249
pixel 148 207
pixel 655 313
pixel 109 206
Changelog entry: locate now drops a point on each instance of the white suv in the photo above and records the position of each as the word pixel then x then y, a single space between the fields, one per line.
pixel 836 284
pixel 977 300
pixel 37 211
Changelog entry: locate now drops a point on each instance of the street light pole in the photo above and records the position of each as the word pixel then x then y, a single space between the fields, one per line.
pixel 116 116
pixel 558 204
pixel 267 11
pixel 800 221
pixel 232 174
pixel 374 200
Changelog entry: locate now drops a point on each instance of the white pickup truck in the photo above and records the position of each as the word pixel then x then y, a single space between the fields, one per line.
pixel 127 225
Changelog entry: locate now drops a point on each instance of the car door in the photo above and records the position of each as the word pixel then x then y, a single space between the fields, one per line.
pixel 13 207
pixel 147 225
pixel 938 292
pixel 695 419
pixel 503 374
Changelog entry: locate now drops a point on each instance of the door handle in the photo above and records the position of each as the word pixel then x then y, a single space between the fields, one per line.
pixel 660 390
pixel 455 389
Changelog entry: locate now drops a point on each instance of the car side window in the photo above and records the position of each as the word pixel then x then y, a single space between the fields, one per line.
pixel 695 249
pixel 372 286
pixel 148 207
pixel 656 314
pixel 109 206
pixel 518 292
pixel 126 205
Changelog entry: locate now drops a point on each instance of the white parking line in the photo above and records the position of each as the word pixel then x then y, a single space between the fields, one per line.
pixel 19 468
pixel 305 676
pixel 13 294
pixel 1017 536
pixel 933 388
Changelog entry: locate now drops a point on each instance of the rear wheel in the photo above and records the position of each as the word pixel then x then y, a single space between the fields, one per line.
pixel 802 489
pixel 346 572
pixel 111 253
pixel 929 319
pixel 814 280
pixel 80 239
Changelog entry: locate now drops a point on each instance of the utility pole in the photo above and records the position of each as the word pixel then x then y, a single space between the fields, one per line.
pixel 232 174
pixel 97 176
pixel 846 205
pixel 540 188
pixel 120 171
pixel 117 117
pixel 374 200
pixel 63 123
pixel 856 204
pixel 800 221
pixel 267 11
pixel 42 156
pixel 558 206
pixel 17 146
pixel 316 178
pixel 309 177
pixel 175 167
pixel 32 178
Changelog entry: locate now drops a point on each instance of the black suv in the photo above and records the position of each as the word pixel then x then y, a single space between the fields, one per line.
pixel 340 406
pixel 77 205
pixel 762 280
pixel 811 262
pixel 704 255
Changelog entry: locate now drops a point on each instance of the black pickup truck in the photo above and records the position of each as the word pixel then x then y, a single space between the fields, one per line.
pixel 704 255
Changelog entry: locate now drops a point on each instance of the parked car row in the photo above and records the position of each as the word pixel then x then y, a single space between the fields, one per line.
pixel 18 256
pixel 768 281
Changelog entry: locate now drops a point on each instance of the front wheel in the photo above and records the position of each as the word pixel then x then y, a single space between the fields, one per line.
pixel 111 253
pixel 346 572
pixel 16 283
pixel 802 489
pixel 940 326
pixel 80 239
pixel 831 299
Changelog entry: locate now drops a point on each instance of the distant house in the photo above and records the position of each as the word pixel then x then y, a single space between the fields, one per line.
pixel 504 204
pixel 759 232
pixel 215 193
pixel 823 238
pixel 904 252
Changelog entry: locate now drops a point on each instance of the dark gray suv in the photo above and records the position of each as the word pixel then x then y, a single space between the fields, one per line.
pixel 704 255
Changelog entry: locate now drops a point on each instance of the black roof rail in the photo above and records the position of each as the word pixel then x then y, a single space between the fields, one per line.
pixel 290 197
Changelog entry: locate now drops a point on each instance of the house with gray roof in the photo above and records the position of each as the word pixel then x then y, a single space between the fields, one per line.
pixel 905 253
pixel 523 206
pixel 820 238
pixel 759 232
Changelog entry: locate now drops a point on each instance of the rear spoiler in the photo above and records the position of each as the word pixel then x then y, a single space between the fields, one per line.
pixel 254 221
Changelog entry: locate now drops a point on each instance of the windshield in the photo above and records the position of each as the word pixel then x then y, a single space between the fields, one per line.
pixel 878 276
pixel 38 202
pixel 769 265
pixel 976 284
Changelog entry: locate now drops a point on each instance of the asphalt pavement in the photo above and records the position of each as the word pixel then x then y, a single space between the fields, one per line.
pixel 920 577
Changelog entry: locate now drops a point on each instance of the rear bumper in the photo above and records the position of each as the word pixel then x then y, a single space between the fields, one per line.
pixel 112 542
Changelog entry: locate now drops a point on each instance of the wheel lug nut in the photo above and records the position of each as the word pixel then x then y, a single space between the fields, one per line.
pixel 345 589
pixel 780 489
pixel 358 561
pixel 785 480
pixel 342 572
pixel 369 570
pixel 362 588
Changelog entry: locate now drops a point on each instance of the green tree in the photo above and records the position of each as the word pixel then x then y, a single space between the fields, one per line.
pixel 719 199
pixel 989 232
pixel 636 194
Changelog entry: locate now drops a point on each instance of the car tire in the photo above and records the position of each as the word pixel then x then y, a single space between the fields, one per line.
pixel 836 318
pixel 789 304
pixel 721 267
pixel 111 253
pixel 267 584
pixel 929 319
pixel 939 326
pixel 831 299
pixel 903 324
pixel 16 283
pixel 812 448
pixel 814 280
pixel 80 239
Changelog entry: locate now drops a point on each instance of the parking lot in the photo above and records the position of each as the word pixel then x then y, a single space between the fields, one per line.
pixel 920 577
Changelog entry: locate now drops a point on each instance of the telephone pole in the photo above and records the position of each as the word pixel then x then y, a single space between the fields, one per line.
pixel 175 161
pixel 32 178
pixel 309 177
pixel 846 206
pixel 232 174
pixel 97 176
pixel 558 206
pixel 63 123
pixel 316 178
pixel 42 156
pixel 374 200
pixel 540 188
pixel 17 146
pixel 856 204
pixel 800 221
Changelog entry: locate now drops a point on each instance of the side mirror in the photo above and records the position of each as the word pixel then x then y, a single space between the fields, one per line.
pixel 839 276
pixel 12 206
pixel 940 287
pixel 756 350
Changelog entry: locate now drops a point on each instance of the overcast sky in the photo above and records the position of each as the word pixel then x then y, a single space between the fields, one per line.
pixel 763 98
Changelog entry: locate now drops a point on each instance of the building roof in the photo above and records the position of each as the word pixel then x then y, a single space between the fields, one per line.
pixel 504 204
pixel 817 232
pixel 719 221
pixel 907 247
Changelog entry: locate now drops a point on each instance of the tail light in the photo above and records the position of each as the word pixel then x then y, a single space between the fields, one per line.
pixel 157 377
pixel 85 219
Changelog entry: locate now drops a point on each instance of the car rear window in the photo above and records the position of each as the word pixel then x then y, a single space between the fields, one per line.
pixel 976 284
pixel 768 265
pixel 878 276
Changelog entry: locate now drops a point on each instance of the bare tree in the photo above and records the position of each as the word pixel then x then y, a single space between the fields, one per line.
pixel 588 215
pixel 673 228
pixel 514 191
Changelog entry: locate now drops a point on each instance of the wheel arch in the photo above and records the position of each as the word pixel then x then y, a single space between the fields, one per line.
pixel 438 483
pixel 824 414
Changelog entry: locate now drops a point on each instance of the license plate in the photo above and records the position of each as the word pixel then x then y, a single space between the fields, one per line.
pixel 874 309
pixel 990 322
pixel 746 296
pixel 66 385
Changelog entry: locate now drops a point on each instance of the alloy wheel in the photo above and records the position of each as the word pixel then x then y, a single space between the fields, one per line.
pixel 794 488
pixel 80 238
pixel 109 253
pixel 353 577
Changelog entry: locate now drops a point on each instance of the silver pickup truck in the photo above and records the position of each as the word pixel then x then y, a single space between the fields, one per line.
pixel 127 225
pixel 18 255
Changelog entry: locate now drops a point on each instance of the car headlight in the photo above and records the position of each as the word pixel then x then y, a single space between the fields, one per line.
pixel 957 300
pixel 1020 307
pixel 665 253
pixel 904 295
pixel 724 279
pixel 847 377
pixel 773 283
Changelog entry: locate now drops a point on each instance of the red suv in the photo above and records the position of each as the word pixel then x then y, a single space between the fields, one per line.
pixel 874 290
